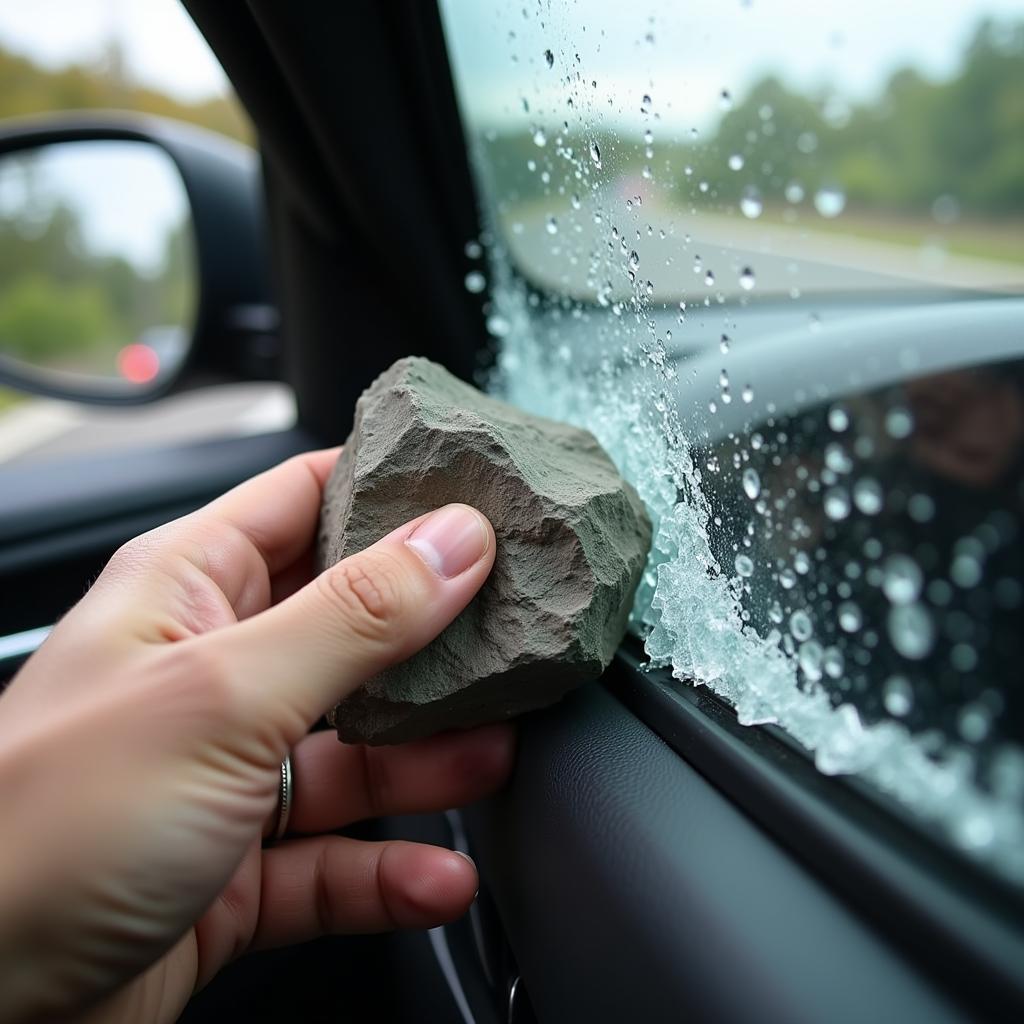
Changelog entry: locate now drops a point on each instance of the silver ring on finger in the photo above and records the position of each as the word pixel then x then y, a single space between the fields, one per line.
pixel 284 800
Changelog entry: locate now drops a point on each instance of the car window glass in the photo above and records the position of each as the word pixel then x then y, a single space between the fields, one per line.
pixel 772 255
pixel 147 56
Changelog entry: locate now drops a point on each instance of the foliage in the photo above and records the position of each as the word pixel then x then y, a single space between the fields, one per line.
pixel 48 276
pixel 918 141
pixel 27 88
pixel 61 304
pixel 40 320
pixel 961 140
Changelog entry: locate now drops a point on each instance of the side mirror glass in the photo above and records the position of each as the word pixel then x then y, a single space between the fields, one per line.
pixel 98 271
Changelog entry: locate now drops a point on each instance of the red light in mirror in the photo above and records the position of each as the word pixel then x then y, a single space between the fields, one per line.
pixel 138 363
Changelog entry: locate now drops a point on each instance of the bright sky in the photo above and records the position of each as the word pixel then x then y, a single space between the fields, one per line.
pixel 127 195
pixel 162 45
pixel 684 54
pixel 698 49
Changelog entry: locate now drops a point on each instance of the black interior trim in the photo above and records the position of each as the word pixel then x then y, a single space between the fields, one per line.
pixel 962 925
pixel 62 519
pixel 42 499
pixel 370 197
pixel 224 186
pixel 632 889
pixel 106 535
pixel 633 884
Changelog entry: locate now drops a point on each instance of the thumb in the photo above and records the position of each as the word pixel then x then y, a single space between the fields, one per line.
pixel 376 608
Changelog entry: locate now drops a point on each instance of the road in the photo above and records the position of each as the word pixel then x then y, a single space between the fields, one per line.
pixel 45 429
pixel 675 250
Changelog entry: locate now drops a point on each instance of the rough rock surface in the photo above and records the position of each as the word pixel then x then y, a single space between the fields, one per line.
pixel 572 539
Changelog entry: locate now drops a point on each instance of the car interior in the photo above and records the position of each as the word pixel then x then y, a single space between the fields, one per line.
pixel 663 852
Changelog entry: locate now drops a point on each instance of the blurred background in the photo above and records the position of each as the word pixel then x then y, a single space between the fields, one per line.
pixel 886 140
pixel 887 153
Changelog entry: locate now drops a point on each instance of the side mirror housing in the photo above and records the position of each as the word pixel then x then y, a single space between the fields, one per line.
pixel 133 259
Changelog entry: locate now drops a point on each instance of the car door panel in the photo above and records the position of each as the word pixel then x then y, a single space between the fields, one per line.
pixel 61 520
pixel 632 889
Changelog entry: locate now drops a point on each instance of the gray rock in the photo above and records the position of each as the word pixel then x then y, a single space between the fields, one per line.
pixel 572 537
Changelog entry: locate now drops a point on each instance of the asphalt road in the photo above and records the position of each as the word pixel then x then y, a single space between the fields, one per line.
pixel 39 429
pixel 675 250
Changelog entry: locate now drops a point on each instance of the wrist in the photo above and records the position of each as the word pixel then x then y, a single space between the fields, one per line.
pixel 20 983
pixel 28 992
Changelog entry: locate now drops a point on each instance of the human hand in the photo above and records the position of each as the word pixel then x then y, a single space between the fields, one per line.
pixel 140 752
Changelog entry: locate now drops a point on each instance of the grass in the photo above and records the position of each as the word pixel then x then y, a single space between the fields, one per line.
pixel 9 399
pixel 1001 241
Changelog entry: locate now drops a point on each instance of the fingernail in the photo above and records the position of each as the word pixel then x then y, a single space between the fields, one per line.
pixel 465 856
pixel 450 540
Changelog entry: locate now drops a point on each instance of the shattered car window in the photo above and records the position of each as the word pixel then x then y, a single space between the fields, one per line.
pixel 774 260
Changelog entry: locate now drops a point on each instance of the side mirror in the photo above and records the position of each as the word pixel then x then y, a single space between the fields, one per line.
pixel 132 259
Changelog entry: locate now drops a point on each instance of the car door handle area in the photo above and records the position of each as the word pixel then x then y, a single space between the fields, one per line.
pixel 60 522
pixel 632 889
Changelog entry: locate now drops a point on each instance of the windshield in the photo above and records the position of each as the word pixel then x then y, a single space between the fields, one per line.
pixel 772 255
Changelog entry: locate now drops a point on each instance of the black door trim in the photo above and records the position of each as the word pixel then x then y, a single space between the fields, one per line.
pixel 963 926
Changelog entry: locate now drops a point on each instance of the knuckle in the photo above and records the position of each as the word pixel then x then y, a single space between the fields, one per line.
pixel 128 557
pixel 136 558
pixel 327 915
pixel 367 590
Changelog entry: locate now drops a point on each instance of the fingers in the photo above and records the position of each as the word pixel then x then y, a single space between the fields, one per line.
pixel 293 661
pixel 278 510
pixel 239 542
pixel 337 784
pixel 334 885
pixel 293 578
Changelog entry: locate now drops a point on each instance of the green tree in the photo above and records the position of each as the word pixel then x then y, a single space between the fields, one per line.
pixel 919 140
pixel 28 88
pixel 50 325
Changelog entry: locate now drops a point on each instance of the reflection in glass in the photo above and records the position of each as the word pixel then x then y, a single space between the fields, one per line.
pixel 886 552
pixel 97 272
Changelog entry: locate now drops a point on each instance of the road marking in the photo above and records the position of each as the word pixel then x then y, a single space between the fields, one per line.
pixel 33 424
pixel 275 410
